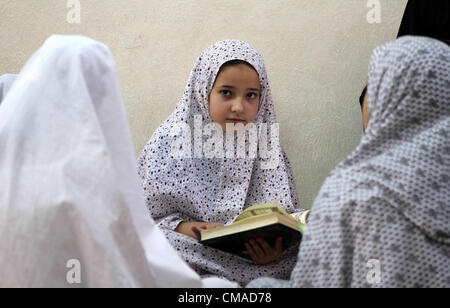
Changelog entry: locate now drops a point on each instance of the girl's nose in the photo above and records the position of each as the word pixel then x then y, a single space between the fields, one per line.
pixel 237 106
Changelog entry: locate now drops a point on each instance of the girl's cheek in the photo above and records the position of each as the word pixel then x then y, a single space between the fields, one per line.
pixel 252 113
pixel 224 109
pixel 218 112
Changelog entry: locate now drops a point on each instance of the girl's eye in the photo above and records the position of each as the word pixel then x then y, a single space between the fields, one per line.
pixel 252 95
pixel 226 92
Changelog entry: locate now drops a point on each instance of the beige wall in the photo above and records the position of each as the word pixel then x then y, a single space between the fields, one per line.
pixel 316 53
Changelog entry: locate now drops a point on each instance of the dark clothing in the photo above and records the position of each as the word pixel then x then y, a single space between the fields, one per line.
pixel 424 18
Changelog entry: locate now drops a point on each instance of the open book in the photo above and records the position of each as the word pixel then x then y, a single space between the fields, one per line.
pixel 268 220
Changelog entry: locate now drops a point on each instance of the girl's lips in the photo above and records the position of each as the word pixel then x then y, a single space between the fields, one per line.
pixel 236 120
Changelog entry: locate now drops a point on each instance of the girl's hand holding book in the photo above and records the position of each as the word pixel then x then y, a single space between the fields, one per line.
pixel 193 229
pixel 261 252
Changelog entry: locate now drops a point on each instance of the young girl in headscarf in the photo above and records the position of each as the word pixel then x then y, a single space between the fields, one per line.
pixel 382 217
pixel 228 85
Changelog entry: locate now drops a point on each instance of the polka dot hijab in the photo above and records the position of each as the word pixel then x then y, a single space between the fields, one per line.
pixel 211 189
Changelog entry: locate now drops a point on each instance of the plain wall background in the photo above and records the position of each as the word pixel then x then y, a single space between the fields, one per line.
pixel 316 53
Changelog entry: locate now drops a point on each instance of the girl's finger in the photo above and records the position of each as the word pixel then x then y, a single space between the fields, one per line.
pixel 251 252
pixel 257 249
pixel 265 246
pixel 196 232
pixel 214 225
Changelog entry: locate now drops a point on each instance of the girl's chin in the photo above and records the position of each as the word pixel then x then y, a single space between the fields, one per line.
pixel 234 127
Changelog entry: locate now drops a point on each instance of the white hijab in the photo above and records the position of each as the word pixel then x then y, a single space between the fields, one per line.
pixel 6 82
pixel 69 188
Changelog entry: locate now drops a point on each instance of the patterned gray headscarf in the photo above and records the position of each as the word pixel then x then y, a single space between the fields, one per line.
pixel 382 217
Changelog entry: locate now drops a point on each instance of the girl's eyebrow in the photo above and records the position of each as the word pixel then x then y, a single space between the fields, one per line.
pixel 249 89
pixel 254 89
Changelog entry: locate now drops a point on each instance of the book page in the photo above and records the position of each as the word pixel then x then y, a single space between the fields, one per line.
pixel 302 217
pixel 260 209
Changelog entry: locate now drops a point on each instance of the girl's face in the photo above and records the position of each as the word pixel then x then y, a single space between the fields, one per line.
pixel 365 112
pixel 235 96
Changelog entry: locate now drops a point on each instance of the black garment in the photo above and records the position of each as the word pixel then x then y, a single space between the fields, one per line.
pixel 424 18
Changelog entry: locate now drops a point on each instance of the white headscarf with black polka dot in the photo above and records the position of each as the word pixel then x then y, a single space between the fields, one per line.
pixel 214 189
pixel 206 189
